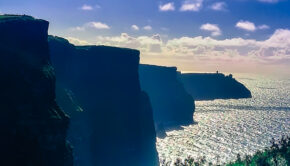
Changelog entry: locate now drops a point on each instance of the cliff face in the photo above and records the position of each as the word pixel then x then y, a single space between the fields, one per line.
pixel 171 103
pixel 207 86
pixel 33 127
pixel 112 120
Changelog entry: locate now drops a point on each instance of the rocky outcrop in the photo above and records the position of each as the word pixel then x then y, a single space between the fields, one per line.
pixel 33 127
pixel 210 86
pixel 172 105
pixel 112 121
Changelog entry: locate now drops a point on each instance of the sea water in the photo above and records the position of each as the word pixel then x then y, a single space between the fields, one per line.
pixel 225 128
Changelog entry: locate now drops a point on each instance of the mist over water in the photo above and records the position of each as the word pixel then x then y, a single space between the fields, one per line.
pixel 225 128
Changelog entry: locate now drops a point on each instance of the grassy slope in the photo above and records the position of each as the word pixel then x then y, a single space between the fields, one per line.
pixel 277 155
pixel 8 17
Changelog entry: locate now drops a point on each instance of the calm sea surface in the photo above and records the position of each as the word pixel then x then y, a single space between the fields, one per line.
pixel 225 128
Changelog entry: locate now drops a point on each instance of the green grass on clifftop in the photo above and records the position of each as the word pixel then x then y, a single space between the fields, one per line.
pixel 10 17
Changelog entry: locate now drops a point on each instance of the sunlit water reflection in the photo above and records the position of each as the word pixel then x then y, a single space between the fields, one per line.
pixel 227 127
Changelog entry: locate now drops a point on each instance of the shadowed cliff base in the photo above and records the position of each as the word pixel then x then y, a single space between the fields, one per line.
pixel 210 86
pixel 112 121
pixel 172 105
pixel 33 127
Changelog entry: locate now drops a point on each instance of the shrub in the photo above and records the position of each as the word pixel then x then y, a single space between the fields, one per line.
pixel 278 154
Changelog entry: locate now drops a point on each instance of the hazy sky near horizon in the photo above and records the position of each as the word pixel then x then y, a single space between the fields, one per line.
pixel 194 35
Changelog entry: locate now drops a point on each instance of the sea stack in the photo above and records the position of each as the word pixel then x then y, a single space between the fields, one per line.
pixel 33 127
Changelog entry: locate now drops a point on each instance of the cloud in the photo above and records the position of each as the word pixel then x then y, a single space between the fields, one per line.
pixel 147 28
pixel 192 46
pixel 280 39
pixel 235 53
pixel 77 41
pixel 78 28
pixel 246 25
pixel 93 25
pixel 150 44
pixel 87 7
pixel 250 26
pixel 167 7
pixel 208 54
pixel 269 1
pixel 191 5
pixel 213 28
pixel 97 25
pixel 135 27
pixel 219 6
pixel 262 27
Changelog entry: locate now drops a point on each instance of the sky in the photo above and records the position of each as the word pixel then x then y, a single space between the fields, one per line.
pixel 234 36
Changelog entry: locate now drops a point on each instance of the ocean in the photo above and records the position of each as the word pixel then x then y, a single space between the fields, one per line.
pixel 225 128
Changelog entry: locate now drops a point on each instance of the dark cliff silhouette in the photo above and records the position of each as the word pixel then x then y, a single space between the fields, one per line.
pixel 172 105
pixel 210 86
pixel 111 118
pixel 33 127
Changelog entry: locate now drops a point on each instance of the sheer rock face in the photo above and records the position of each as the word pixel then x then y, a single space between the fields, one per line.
pixel 33 127
pixel 210 86
pixel 171 103
pixel 112 122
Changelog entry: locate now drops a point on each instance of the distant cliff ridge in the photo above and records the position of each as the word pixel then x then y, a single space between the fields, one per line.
pixel 33 127
pixel 171 103
pixel 112 121
pixel 210 86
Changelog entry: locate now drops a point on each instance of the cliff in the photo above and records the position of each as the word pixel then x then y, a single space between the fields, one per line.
pixel 112 121
pixel 33 127
pixel 171 103
pixel 210 86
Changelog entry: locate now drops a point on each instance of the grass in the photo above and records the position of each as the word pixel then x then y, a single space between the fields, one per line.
pixel 9 17
pixel 276 155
